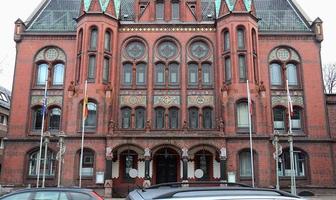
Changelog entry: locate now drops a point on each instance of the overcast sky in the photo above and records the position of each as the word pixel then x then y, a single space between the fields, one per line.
pixel 23 8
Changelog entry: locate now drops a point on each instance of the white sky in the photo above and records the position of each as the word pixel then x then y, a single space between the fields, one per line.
pixel 23 8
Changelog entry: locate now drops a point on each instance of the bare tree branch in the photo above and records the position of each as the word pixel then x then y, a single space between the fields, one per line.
pixel 329 76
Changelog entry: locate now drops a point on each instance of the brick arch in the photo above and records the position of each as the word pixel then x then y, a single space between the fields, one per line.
pixel 158 147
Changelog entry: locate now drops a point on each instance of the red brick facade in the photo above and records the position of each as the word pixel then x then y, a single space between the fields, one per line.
pixel 124 136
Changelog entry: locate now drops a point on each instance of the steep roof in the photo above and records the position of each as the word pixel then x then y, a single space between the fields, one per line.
pixel 274 15
pixel 5 97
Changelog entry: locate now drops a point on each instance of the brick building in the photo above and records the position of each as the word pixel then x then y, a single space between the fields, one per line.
pixel 167 92
pixel 5 98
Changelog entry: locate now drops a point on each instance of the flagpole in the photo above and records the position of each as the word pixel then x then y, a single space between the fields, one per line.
pixel 41 135
pixel 250 129
pixel 290 140
pixel 83 128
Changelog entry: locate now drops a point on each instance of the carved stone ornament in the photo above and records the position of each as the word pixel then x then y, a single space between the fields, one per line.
pixel 52 100
pixel 282 100
pixel 167 100
pixel 51 54
pixel 109 153
pixel 133 101
pixel 200 100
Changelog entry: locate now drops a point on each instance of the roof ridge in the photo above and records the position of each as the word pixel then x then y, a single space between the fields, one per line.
pixel 37 9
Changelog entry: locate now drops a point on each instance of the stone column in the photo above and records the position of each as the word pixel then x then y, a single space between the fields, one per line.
pixel 108 172
pixel 223 157
pixel 185 165
pixel 147 181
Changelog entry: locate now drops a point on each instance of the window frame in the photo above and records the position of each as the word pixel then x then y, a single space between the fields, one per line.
pixel 51 163
pixel 192 119
pixel 159 11
pixel 160 111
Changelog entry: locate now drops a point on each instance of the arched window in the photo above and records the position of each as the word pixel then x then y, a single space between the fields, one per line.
pixel 88 163
pixel 106 69
pixel 92 67
pixel 242 115
pixel 93 39
pixel 140 118
pixel 207 118
pixel 160 74
pixel 299 163
pixel 291 73
pixel 193 74
pixel 174 74
pixel 54 119
pixel 141 74
pixel 107 41
pixel 126 117
pixel 203 160
pixel 296 119
pixel 37 118
pixel 128 159
pixel 226 40
pixel 50 163
pixel 91 119
pixel 193 117
pixel 127 74
pixel 279 118
pixel 58 74
pixel 159 118
pixel 159 10
pixel 175 9
pixel 276 74
pixel 42 74
pixel 245 167
pixel 228 73
pixel 241 38
pixel 242 68
pixel 173 118
pixel 206 74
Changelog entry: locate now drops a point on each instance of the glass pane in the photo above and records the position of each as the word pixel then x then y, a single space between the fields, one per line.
pixel 159 10
pixel 193 74
pixel 242 115
pixel 55 119
pixel 227 69
pixel 167 49
pixel 226 40
pixel 279 118
pixel 296 119
pixel 126 118
pixel 20 196
pixel 173 118
pixel 242 68
pixel 291 73
pixel 160 76
pixel 175 10
pixel 107 41
pixel 140 74
pixel 140 118
pixel 135 50
pixel 127 74
pixel 207 118
pixel 276 78
pixel 199 49
pixel 58 74
pixel 47 195
pixel 245 164
pixel 241 39
pixel 37 119
pixel 106 69
pixel 93 41
pixel 79 196
pixel 206 74
pixel 174 73
pixel 42 74
pixel 159 118
pixel 193 118
pixel 91 119
pixel 92 67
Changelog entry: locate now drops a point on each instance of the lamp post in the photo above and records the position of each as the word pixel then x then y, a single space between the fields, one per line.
pixel 46 142
pixel 61 145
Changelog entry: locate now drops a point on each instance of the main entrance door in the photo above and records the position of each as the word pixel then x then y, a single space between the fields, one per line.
pixel 166 165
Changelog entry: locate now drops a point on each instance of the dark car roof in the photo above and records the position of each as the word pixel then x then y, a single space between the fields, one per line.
pixel 168 192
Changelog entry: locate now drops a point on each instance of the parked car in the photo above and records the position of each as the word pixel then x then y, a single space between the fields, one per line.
pixel 52 194
pixel 183 191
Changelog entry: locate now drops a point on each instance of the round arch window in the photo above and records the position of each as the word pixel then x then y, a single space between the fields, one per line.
pixel 167 49
pixel 199 49
pixel 135 49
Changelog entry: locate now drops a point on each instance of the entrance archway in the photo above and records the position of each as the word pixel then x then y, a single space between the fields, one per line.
pixel 166 164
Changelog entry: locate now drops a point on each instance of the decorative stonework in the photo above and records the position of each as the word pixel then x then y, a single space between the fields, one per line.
pixel 200 92
pixel 52 100
pixel 175 29
pixel 166 92
pixel 50 54
pixel 200 101
pixel 133 93
pixel 284 93
pixel 133 101
pixel 167 101
pixel 282 100
pixel 283 54
pixel 50 93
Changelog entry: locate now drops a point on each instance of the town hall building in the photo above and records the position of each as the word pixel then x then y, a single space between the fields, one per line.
pixel 167 94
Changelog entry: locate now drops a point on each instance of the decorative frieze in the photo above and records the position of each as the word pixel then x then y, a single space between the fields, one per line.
pixel 200 92
pixel 167 101
pixel 133 101
pixel 282 100
pixel 133 92
pixel 200 101
pixel 51 54
pixel 166 29
pixel 52 100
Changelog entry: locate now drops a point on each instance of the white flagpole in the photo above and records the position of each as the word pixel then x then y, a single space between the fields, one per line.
pixel 83 128
pixel 250 129
pixel 41 137
pixel 290 140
